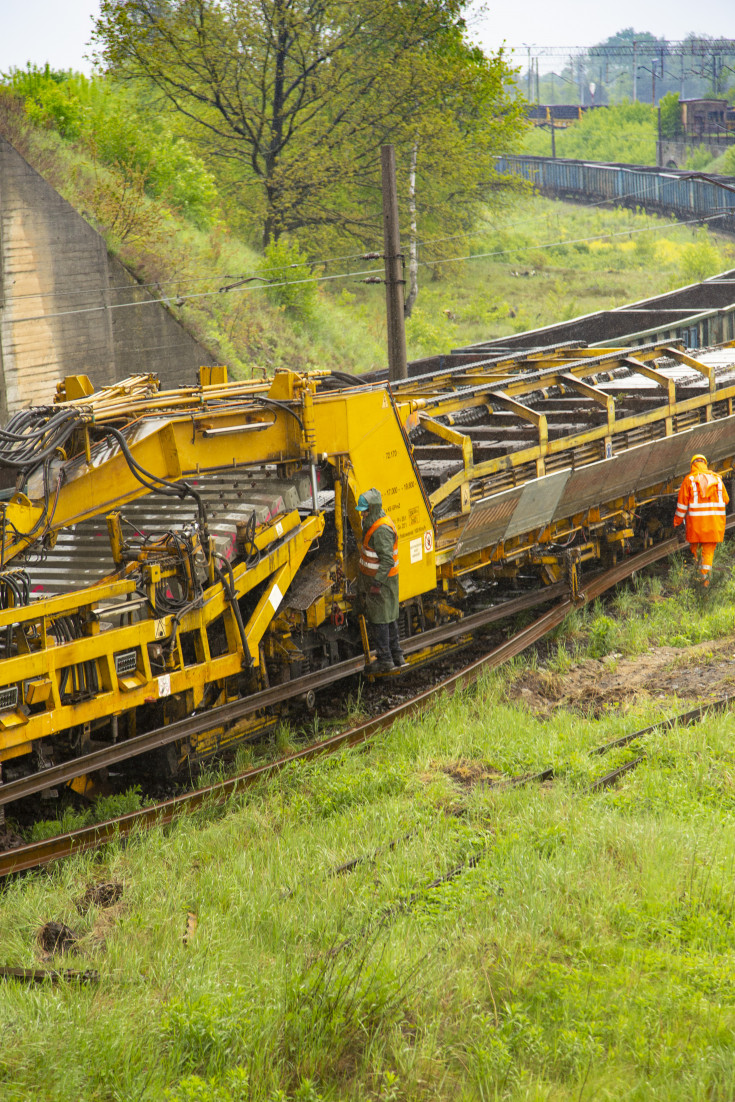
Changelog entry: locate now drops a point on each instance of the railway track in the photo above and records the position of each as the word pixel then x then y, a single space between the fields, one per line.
pixel 49 850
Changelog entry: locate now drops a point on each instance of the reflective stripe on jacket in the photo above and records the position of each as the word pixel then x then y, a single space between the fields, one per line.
pixel 702 500
pixel 369 559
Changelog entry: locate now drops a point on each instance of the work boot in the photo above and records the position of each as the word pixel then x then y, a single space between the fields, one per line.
pixel 383 665
pixel 399 660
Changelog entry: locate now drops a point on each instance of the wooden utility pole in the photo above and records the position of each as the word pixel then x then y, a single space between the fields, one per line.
pixel 394 281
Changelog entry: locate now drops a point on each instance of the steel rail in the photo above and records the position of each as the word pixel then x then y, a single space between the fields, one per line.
pixel 52 849
pixel 48 975
pixel 240 709
pixel 684 720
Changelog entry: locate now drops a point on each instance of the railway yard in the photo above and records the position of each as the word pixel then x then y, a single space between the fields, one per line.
pixel 215 530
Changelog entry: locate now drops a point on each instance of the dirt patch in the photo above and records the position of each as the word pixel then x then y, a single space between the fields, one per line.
pixel 55 937
pixel 702 672
pixel 468 773
pixel 100 895
pixel 10 840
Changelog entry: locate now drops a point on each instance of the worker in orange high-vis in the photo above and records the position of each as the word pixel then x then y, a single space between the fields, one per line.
pixel 702 500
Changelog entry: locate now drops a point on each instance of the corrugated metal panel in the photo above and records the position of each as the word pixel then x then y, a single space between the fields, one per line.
pixel 602 481
pixel 488 521
pixel 566 492
pixel 538 503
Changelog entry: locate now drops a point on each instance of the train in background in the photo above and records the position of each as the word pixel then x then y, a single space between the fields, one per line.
pixel 686 196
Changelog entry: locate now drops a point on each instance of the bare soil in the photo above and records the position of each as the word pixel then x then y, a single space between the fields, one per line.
pixel 702 672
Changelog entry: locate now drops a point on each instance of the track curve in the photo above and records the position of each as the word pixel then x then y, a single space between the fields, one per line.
pixel 52 849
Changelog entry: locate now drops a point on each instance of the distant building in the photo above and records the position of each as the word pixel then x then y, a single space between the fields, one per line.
pixel 706 118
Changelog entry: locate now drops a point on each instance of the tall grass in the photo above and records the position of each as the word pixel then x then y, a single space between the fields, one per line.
pixel 491 942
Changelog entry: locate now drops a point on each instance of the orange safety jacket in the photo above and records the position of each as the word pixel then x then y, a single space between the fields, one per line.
pixel 702 500
pixel 369 561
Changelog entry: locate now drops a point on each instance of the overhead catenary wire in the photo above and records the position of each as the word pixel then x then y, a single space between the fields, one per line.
pixel 165 301
pixel 312 262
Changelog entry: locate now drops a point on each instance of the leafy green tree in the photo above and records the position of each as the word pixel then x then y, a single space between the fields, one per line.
pixel 445 152
pixel 293 96
pixel 670 116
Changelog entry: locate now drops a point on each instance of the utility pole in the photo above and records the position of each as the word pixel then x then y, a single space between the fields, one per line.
pixel 394 281
pixel 659 145
pixel 635 71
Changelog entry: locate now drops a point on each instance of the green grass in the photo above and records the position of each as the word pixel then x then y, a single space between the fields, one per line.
pixel 583 948
pixel 535 262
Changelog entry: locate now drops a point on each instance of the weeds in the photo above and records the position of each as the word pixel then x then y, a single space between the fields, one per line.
pixel 590 953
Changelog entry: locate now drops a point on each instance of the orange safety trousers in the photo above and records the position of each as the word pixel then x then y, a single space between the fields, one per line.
pixel 708 554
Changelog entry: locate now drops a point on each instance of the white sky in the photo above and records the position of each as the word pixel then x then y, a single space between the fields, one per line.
pixel 58 31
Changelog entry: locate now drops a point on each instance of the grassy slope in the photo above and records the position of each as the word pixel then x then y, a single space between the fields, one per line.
pixel 482 298
pixel 585 949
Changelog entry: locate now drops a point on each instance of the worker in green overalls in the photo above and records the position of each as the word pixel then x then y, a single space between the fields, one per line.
pixel 379 579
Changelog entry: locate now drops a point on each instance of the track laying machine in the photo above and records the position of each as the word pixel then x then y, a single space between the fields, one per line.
pixel 167 552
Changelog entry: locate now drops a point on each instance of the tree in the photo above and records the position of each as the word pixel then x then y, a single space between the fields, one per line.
pixel 296 95
pixel 296 92
pixel 670 116
pixel 446 150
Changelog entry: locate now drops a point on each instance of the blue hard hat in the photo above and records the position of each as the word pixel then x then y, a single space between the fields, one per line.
pixel 362 504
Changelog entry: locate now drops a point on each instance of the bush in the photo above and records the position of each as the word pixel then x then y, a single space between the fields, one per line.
pixel 626 132
pixel 428 333
pixel 699 158
pixel 700 260
pixel 118 130
pixel 291 280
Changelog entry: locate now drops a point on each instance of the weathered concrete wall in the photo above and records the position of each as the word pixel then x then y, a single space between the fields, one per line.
pixel 57 287
pixel 147 337
pixel 675 154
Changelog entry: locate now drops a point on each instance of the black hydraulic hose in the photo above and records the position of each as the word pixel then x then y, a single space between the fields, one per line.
pixel 160 485
pixel 275 404
pixel 33 436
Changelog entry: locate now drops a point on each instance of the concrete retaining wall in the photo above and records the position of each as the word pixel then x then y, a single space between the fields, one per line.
pixel 57 284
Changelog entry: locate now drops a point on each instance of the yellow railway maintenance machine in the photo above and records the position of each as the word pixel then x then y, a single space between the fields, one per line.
pixel 165 552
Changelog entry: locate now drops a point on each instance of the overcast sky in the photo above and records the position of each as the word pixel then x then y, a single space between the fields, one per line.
pixel 58 31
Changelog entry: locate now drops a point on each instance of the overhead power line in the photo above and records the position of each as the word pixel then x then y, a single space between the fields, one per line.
pixel 221 278
pixel 695 48
pixel 378 271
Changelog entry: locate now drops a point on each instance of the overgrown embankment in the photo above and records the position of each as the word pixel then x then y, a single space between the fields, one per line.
pixel 527 264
